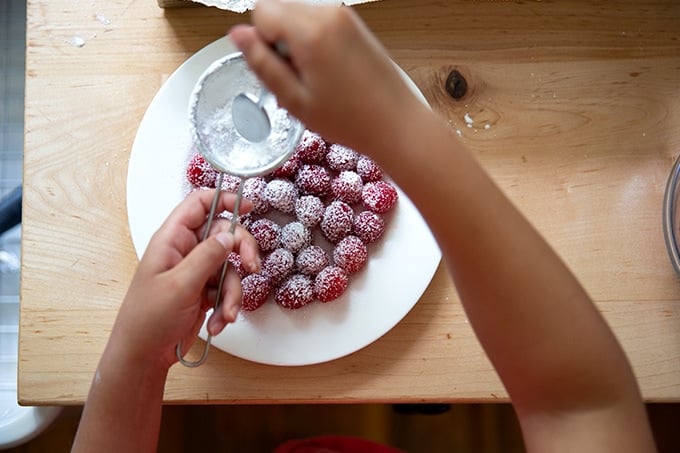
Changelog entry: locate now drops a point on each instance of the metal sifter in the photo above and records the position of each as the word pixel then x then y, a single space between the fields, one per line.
pixel 238 127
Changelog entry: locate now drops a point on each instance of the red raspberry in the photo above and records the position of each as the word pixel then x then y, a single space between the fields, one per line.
pixel 235 260
pixel 253 190
pixel 368 169
pixel 278 265
pixel 379 196
pixel 267 234
pixel 230 183
pixel 281 194
pixel 288 169
pixel 369 226
pixel 311 260
pixel 295 236
pixel 337 221
pixel 256 289
pixel 341 158
pixel 312 148
pixel 296 292
pixel 200 173
pixel 309 210
pixel 245 219
pixel 330 283
pixel 347 187
pixel 350 254
pixel 313 180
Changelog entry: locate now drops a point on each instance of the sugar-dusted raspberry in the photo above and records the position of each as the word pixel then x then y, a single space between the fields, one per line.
pixel 245 220
pixel 278 265
pixel 347 187
pixel 369 226
pixel 330 283
pixel 295 236
pixel 235 260
pixel 313 180
pixel 200 173
pixel 253 190
pixel 311 260
pixel 337 221
pixel 289 168
pixel 379 196
pixel 341 158
pixel 266 233
pixel 368 169
pixel 230 183
pixel 309 210
pixel 312 148
pixel 281 194
pixel 295 292
pixel 255 289
pixel 350 254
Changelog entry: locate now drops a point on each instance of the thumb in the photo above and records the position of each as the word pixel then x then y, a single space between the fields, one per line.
pixel 197 267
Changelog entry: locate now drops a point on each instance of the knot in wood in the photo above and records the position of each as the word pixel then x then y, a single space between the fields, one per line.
pixel 456 85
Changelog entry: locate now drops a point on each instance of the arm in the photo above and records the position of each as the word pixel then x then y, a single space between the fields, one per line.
pixel 166 302
pixel 567 376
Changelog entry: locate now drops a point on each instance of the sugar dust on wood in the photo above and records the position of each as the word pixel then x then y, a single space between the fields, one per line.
pixel 77 41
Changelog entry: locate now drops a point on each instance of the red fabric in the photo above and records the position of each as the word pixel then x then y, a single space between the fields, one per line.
pixel 333 444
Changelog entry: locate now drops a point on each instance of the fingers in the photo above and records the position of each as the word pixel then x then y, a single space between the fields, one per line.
pixel 192 273
pixel 193 210
pixel 246 245
pixel 248 250
pixel 273 70
pixel 231 303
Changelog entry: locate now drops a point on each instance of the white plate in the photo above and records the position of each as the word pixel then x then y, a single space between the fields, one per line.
pixel 399 270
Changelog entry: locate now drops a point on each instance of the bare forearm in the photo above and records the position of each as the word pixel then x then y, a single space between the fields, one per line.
pixel 533 318
pixel 123 409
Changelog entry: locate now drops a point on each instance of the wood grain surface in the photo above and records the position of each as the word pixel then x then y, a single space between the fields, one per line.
pixel 573 107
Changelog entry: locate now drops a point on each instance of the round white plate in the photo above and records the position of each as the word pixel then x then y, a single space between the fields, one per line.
pixel 399 269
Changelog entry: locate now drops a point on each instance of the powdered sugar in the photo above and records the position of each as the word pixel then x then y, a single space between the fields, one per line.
pixel 236 155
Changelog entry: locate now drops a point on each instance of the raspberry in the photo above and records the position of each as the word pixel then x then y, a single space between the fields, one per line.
pixel 281 194
pixel 309 210
pixel 311 260
pixel 288 169
pixel 368 169
pixel 278 265
pixel 235 260
pixel 200 173
pixel 253 190
pixel 245 219
pixel 319 184
pixel 347 187
pixel 350 254
pixel 296 292
pixel 312 148
pixel 313 180
pixel 266 233
pixel 230 183
pixel 295 236
pixel 379 196
pixel 330 283
pixel 369 226
pixel 337 221
pixel 255 289
pixel 341 158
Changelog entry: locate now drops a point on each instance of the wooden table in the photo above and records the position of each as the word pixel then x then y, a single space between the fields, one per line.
pixel 573 107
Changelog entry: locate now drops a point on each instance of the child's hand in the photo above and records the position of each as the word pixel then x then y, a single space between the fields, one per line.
pixel 338 79
pixel 176 281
